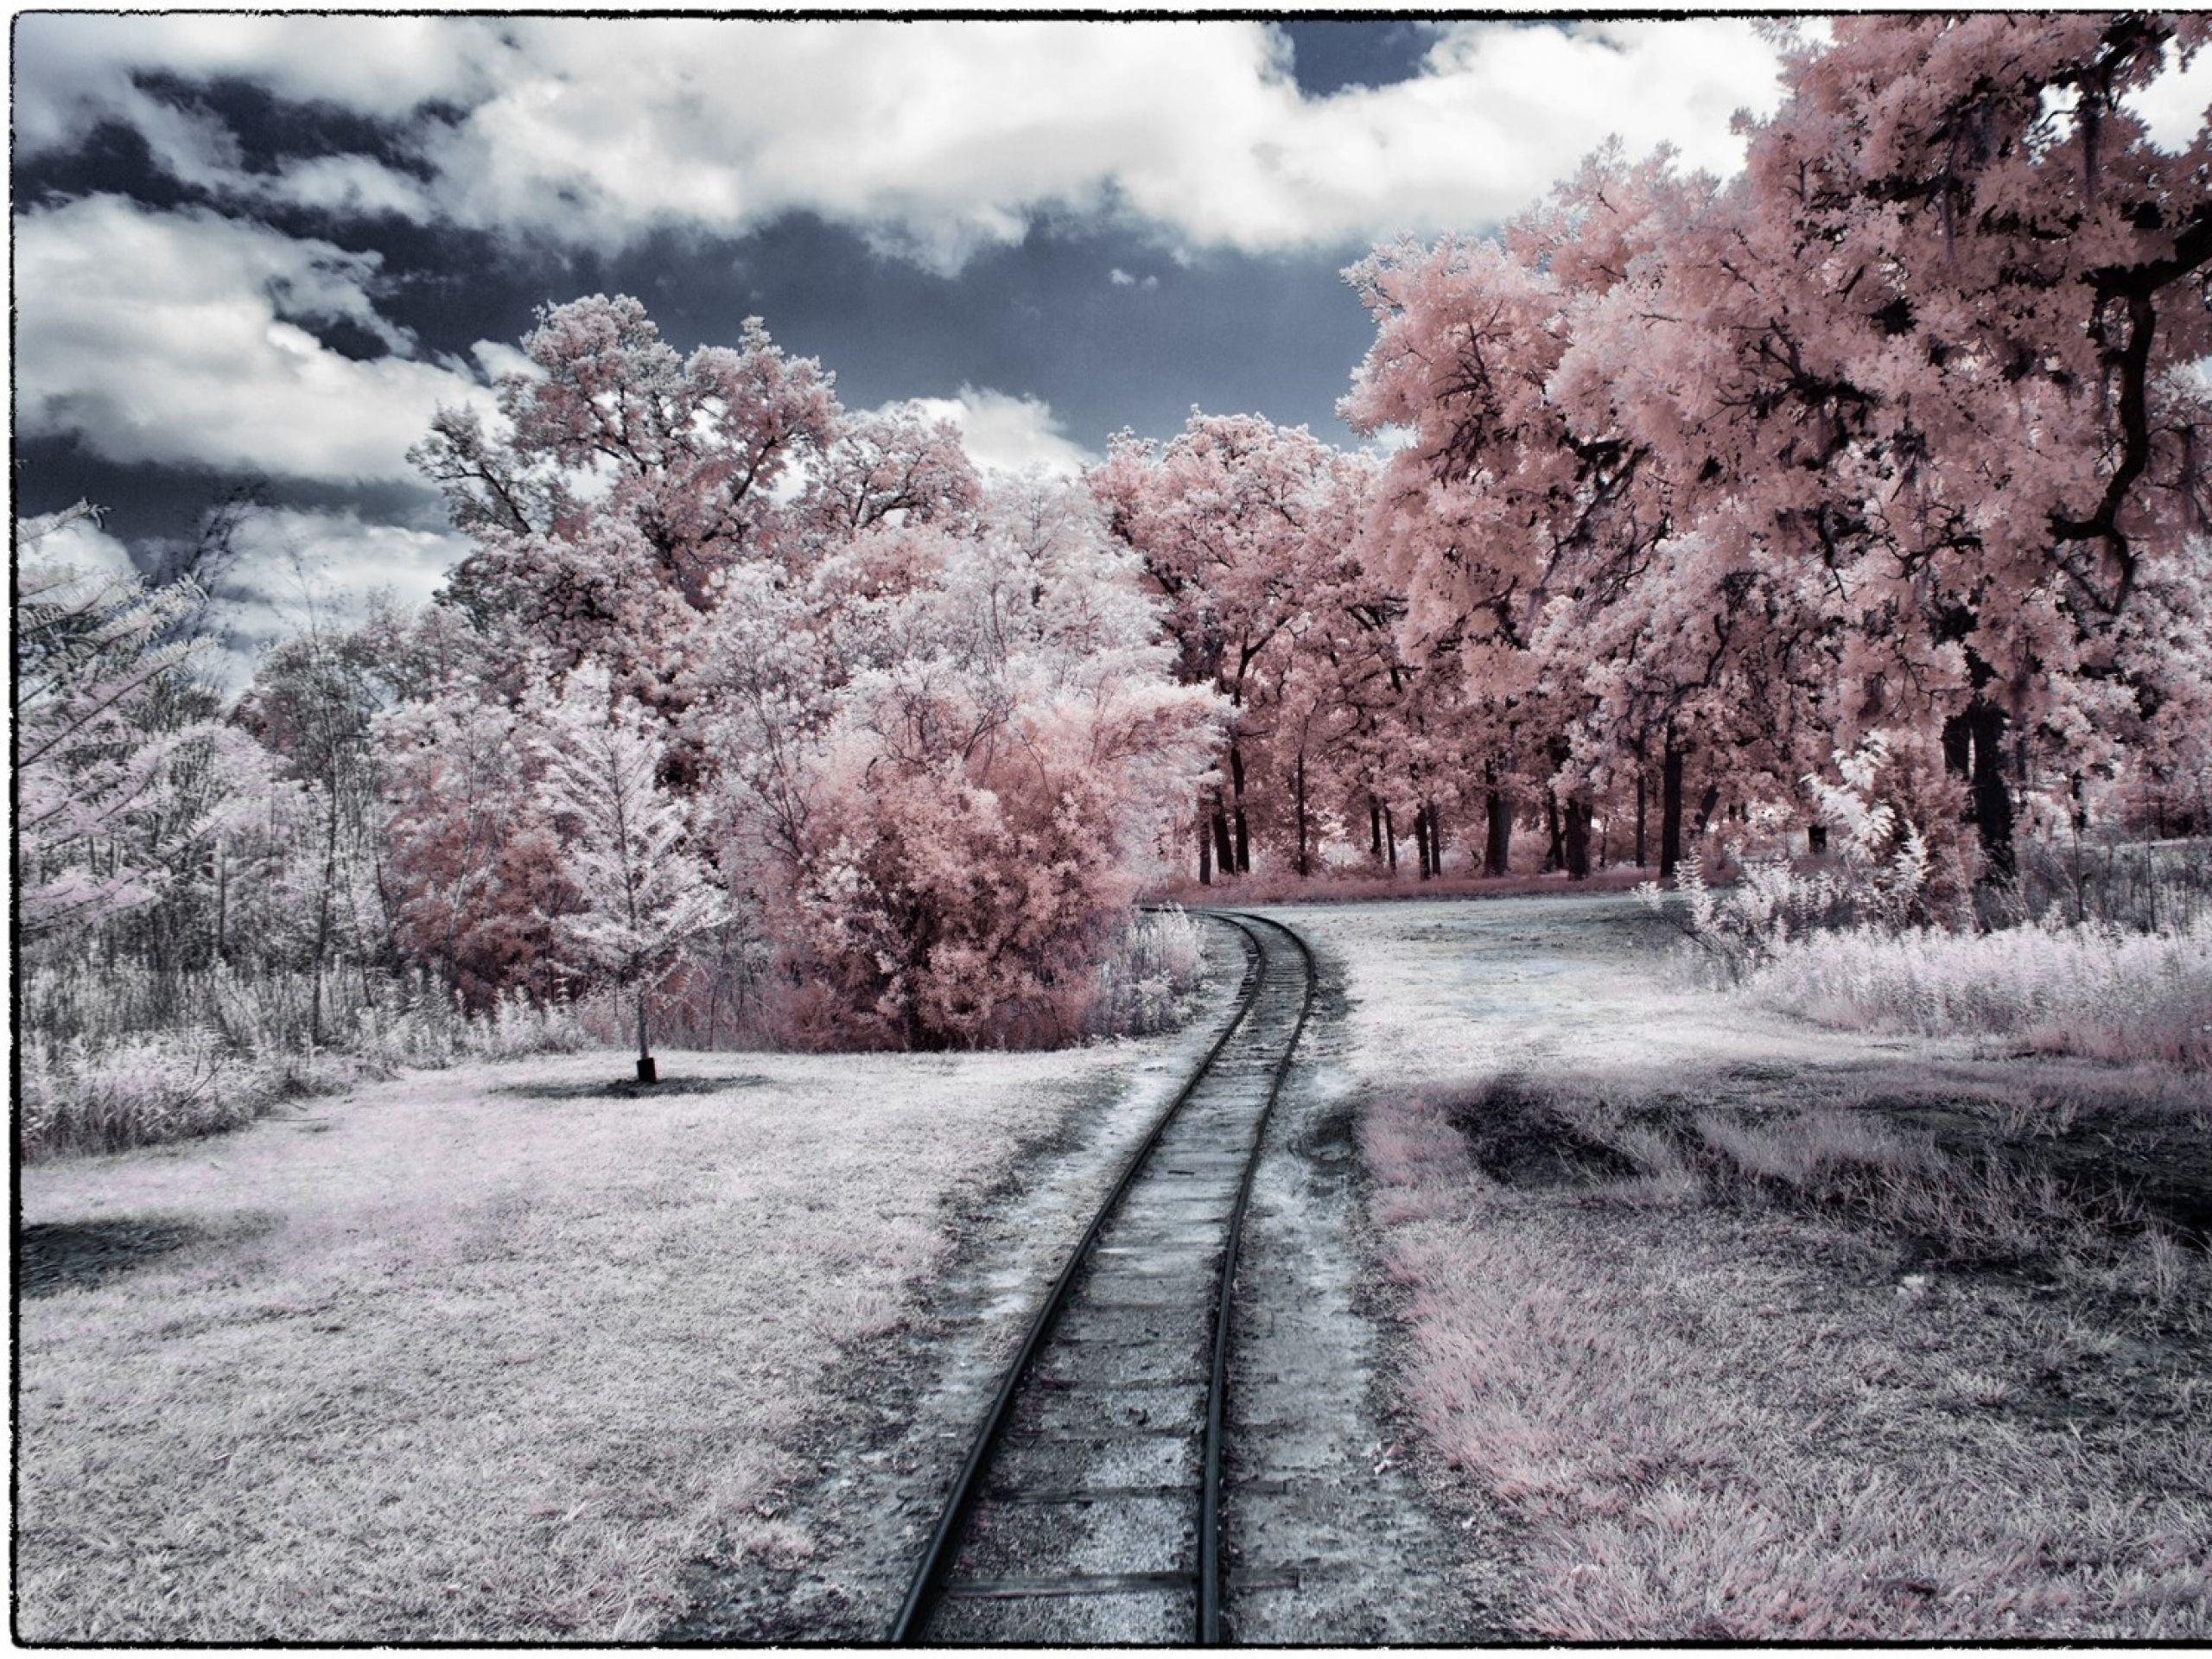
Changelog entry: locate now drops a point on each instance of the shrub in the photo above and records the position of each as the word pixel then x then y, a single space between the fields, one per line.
pixel 1884 877
pixel 1150 982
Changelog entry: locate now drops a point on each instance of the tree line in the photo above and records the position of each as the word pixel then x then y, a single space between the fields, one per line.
pixel 1676 492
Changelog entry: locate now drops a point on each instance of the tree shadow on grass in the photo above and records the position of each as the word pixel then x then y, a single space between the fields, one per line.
pixel 2111 1151
pixel 60 1255
pixel 628 1088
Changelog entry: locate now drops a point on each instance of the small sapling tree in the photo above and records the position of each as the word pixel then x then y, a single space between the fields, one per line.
pixel 642 892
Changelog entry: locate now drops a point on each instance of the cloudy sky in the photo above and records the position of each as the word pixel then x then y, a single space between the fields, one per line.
pixel 271 246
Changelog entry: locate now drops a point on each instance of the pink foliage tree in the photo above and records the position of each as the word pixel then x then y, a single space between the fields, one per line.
pixel 1886 435
pixel 909 738
pixel 1235 526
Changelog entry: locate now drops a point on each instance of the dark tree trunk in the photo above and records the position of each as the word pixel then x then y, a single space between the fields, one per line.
pixel 1577 816
pixel 1243 833
pixel 1224 855
pixel 1436 836
pixel 1206 852
pixel 1420 839
pixel 1992 795
pixel 1958 745
pixel 1555 852
pixel 648 1071
pixel 1641 804
pixel 1670 809
pixel 1390 838
pixel 322 923
pixel 1375 826
pixel 1710 800
pixel 1816 838
pixel 1497 827
pixel 1303 868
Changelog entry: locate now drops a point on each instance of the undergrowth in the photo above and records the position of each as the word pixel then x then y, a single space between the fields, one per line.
pixel 94 1074
pixel 1150 981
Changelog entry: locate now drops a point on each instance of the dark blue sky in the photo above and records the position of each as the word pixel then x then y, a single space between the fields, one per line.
pixel 1276 333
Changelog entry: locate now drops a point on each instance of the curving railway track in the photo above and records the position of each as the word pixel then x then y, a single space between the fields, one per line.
pixel 1089 1507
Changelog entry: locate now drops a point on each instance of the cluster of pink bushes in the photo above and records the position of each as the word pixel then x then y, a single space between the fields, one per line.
pixel 777 702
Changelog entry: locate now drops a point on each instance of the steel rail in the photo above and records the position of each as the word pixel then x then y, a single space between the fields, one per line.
pixel 922 1593
pixel 1210 1584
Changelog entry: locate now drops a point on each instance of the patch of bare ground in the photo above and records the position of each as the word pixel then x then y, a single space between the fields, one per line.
pixel 1753 1355
pixel 54 1257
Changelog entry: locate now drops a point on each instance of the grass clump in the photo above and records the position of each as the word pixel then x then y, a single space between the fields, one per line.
pixel 2089 988
pixel 1150 982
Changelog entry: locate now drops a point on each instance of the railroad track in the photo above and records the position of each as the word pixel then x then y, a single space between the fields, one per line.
pixel 1089 1508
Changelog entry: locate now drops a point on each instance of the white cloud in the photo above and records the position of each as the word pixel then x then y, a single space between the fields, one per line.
pixel 83 543
pixel 174 337
pixel 934 138
pixel 299 567
pixel 1385 442
pixel 2174 107
pixel 1003 433
pixel 76 68
pixel 353 186
pixel 1121 278
pixel 495 357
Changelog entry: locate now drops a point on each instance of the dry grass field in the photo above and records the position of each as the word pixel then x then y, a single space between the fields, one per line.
pixel 482 1354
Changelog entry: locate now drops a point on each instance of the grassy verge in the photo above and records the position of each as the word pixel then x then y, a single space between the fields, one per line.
pixel 485 1354
pixel 1712 1322
pixel 1755 1355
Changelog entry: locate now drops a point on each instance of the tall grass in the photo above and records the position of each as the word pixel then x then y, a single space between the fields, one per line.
pixel 112 1059
pixel 1150 981
pixel 161 1085
pixel 2093 990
